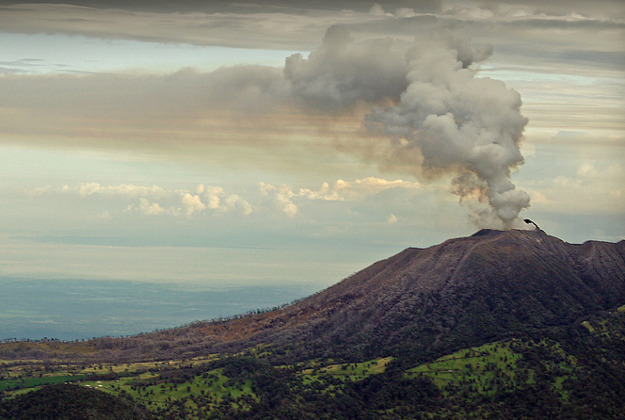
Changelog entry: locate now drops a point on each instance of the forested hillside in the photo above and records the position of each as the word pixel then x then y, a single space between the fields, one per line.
pixel 571 372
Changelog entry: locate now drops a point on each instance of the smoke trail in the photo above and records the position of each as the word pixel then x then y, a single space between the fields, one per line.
pixel 461 124
pixel 438 117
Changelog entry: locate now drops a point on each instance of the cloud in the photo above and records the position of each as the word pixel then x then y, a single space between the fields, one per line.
pixel 433 114
pixel 192 203
pixel 150 200
pixel 150 209
pixel 286 198
pixel 589 170
pixel 39 191
pixel 284 27
pixel 360 188
pixel 278 24
pixel 158 201
pixel 562 9
pixel 91 188
pixel 592 187
pixel 234 202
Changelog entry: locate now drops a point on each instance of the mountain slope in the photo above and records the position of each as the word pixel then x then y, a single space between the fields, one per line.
pixel 512 324
pixel 422 302
pixel 417 305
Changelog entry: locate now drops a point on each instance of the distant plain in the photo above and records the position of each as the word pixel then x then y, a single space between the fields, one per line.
pixel 77 309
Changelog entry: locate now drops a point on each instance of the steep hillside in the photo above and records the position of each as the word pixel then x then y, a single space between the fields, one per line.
pixel 462 292
pixel 422 302
pixel 418 304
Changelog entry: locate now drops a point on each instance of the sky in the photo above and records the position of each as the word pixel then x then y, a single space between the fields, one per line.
pixel 222 144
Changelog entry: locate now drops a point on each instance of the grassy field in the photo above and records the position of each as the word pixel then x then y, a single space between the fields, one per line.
pixel 478 365
pixel 347 371
pixel 495 366
pixel 192 383
pixel 189 385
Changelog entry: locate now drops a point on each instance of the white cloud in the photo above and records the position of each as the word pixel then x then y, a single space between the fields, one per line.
pixel 266 188
pixel 590 187
pixel 356 190
pixel 158 201
pixel 179 201
pixel 234 202
pixel 377 10
pixel 91 188
pixel 285 197
pixel 590 171
pixel 150 209
pixel 192 203
pixel 39 190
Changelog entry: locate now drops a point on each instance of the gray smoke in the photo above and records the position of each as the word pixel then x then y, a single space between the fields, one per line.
pixel 437 117
pixel 343 73
pixel 461 124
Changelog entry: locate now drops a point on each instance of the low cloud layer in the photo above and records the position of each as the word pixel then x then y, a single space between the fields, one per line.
pixel 157 201
pixel 210 200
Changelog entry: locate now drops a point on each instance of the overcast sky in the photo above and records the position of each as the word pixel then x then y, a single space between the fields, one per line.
pixel 279 142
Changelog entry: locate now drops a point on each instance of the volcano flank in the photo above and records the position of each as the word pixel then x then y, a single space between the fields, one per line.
pixel 501 324
pixel 421 302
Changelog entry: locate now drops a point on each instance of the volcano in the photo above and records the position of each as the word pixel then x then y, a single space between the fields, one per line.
pixel 423 302
pixel 501 324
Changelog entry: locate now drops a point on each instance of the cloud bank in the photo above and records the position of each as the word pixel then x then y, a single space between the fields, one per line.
pixel 210 200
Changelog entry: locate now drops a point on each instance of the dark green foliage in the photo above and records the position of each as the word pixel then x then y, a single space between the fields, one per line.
pixel 69 402
pixel 560 373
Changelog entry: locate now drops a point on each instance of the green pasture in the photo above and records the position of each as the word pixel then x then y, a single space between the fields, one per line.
pixel 482 367
pixel 489 367
pixel 31 382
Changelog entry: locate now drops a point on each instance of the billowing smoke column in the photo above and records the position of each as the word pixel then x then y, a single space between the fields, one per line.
pixel 461 124
pixel 437 116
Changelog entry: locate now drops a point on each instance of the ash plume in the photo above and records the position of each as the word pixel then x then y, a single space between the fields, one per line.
pixel 458 123
pixel 434 115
